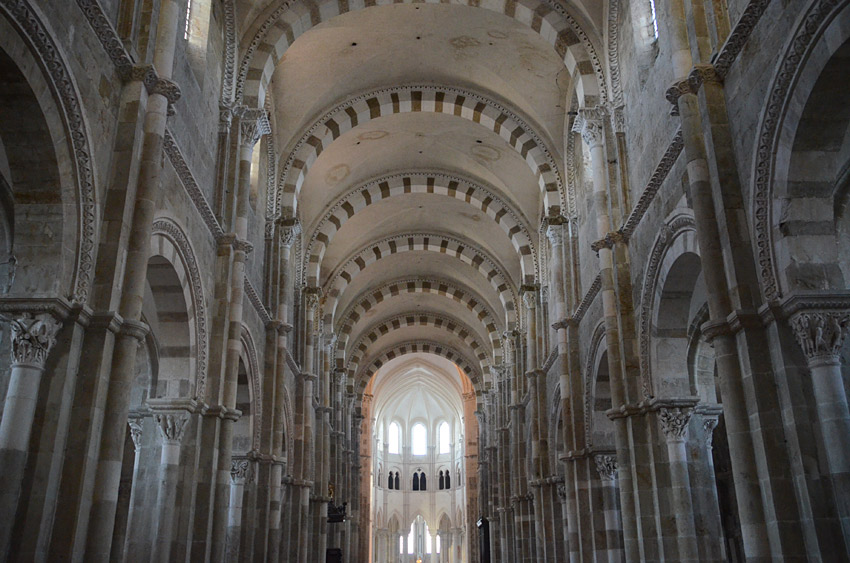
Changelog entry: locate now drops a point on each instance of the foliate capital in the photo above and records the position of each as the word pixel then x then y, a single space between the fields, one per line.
pixel 289 231
pixel 32 338
pixel 171 426
pixel 606 466
pixel 241 471
pixel 708 426
pixel 135 432
pixel 253 124
pixel 589 124
pixel 821 334
pixel 166 88
pixel 674 422
pixel 555 234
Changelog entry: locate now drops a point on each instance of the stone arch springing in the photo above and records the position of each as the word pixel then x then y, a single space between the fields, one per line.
pixel 824 23
pixel 169 240
pixel 372 365
pixel 464 252
pixel 53 93
pixel 457 102
pixel 418 285
pixel 284 25
pixel 437 183
pixel 450 325
pixel 249 351
pixel 669 241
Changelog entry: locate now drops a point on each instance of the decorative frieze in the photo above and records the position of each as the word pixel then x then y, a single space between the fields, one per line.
pixel 32 338
pixel 606 467
pixel 674 422
pixel 821 334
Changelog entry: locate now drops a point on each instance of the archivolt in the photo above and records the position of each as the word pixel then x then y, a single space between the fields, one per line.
pixel 250 352
pixel 420 183
pixel 669 240
pixel 286 23
pixel 169 241
pixel 436 287
pixel 429 99
pixel 427 242
pixel 413 347
pixel 450 325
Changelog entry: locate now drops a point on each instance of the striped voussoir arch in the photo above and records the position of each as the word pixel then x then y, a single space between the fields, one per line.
pixel 370 366
pixel 420 242
pixel 452 326
pixel 401 287
pixel 170 242
pixel 427 99
pixel 420 183
pixel 280 28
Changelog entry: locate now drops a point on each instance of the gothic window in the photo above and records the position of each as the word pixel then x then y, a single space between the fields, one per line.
pixel 419 439
pixel 394 438
pixel 390 481
pixel 422 483
pixel 448 480
pixel 416 481
pixel 445 437
pixel 396 480
pixel 442 484
pixel 419 481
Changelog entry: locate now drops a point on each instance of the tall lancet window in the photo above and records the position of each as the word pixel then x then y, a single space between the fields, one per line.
pixel 394 438
pixel 420 439
pixel 445 438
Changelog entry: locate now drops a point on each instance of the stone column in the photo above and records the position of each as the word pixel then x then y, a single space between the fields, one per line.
pixel 108 471
pixel 674 424
pixel 821 335
pixel 33 335
pixel 136 426
pixel 171 425
pixel 240 472
pixel 589 124
pixel 606 467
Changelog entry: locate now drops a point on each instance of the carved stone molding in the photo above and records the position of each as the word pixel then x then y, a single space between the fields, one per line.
pixel 136 432
pixel 171 426
pixel 821 335
pixel 589 124
pixel 555 234
pixel 674 422
pixel 241 471
pixel 678 89
pixel 229 51
pixel 33 335
pixel 256 302
pixel 167 88
pixel 609 241
pixel 606 467
pixel 187 179
pixel 614 52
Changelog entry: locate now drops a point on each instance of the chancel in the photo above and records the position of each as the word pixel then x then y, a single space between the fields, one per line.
pixel 421 281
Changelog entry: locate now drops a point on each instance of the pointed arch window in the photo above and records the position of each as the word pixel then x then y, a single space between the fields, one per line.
pixel 445 438
pixel 419 439
pixel 396 480
pixel 394 438
pixel 442 481
pixel 416 481
pixel 448 480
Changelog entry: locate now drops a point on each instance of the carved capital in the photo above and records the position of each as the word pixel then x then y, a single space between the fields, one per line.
pixel 708 426
pixel 171 426
pixel 609 241
pixel 555 234
pixel 529 300
pixel 241 471
pixel 821 334
pixel 225 118
pixel 589 124
pixel 253 124
pixel 703 74
pixel 618 119
pixel 312 296
pixel 678 89
pixel 288 233
pixel 606 466
pixel 167 88
pixel 136 432
pixel 674 422
pixel 32 338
